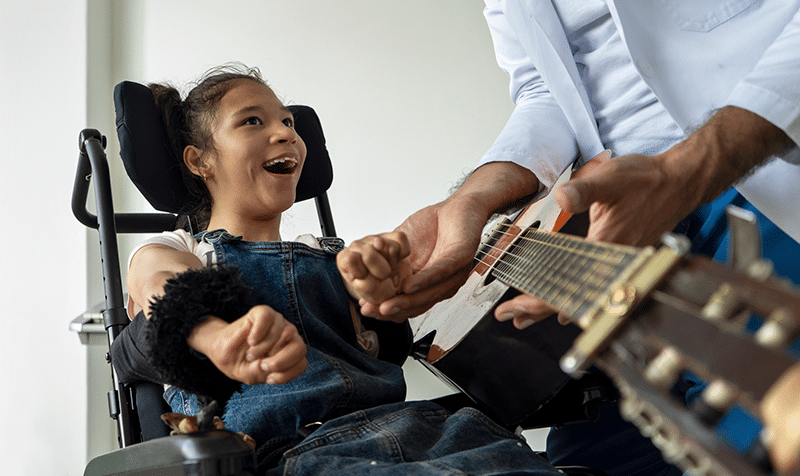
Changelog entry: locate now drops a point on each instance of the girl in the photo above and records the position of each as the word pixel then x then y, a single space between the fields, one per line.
pixel 284 321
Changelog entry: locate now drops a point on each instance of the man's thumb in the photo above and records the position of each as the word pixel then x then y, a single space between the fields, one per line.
pixel 572 197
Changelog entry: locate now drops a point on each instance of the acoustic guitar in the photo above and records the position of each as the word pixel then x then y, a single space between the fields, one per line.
pixel 644 316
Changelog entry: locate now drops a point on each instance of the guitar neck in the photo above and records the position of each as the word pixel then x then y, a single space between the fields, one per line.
pixel 565 271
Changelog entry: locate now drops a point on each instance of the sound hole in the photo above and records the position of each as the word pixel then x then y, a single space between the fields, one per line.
pixel 503 244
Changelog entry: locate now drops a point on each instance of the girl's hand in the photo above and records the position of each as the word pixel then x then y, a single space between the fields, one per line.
pixel 374 268
pixel 259 347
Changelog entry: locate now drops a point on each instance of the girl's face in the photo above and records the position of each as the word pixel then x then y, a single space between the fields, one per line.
pixel 257 158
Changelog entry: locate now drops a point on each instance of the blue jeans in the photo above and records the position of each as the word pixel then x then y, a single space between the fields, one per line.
pixel 616 446
pixel 412 438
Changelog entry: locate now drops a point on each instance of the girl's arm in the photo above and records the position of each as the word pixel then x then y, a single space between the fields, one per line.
pixel 151 267
pixel 259 347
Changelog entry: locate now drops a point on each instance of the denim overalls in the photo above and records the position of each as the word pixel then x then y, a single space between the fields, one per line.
pixel 368 428
pixel 304 285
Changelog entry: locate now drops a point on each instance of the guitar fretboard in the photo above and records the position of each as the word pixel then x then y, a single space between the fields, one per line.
pixel 566 271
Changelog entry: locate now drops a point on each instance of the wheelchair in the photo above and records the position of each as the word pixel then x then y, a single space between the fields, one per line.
pixel 146 448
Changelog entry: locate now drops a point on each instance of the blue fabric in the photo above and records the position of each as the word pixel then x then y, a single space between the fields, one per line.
pixel 412 438
pixel 359 397
pixel 616 446
pixel 739 428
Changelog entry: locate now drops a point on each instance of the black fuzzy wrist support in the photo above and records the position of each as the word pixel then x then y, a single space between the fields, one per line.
pixel 189 298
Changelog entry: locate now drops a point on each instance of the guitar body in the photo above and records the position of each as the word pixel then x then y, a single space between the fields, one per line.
pixel 460 340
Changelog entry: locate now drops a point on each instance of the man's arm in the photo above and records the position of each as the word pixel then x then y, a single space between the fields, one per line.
pixel 667 187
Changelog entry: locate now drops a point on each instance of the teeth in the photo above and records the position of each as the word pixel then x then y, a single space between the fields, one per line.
pixel 280 161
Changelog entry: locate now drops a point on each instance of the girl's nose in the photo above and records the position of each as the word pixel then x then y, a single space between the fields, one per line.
pixel 283 133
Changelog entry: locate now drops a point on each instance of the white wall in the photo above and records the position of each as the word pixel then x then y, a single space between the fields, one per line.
pixel 408 92
pixel 43 278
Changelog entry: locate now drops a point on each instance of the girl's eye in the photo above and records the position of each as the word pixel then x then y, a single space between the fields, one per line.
pixel 253 121
pixel 288 122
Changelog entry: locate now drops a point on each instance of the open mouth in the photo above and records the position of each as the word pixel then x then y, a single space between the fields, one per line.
pixel 281 166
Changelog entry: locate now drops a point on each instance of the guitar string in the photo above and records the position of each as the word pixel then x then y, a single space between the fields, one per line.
pixel 588 288
pixel 626 251
pixel 530 251
pixel 593 256
pixel 565 237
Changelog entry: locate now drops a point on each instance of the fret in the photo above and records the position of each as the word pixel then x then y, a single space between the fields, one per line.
pixel 565 271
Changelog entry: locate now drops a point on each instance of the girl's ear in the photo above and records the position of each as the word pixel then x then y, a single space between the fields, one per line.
pixel 192 157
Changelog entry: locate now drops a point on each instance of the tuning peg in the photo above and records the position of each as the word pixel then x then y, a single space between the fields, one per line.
pixel 722 304
pixel 745 250
pixel 680 244
pixel 714 401
pixel 780 328
pixel 664 369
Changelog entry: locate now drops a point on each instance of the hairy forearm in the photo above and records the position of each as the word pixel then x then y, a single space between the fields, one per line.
pixel 728 147
pixel 495 186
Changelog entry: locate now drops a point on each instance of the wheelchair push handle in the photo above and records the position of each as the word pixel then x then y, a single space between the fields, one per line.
pixel 124 222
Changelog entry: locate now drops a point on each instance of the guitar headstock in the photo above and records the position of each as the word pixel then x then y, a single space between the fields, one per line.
pixel 732 330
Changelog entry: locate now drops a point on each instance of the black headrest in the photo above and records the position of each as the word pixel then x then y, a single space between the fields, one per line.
pixel 155 170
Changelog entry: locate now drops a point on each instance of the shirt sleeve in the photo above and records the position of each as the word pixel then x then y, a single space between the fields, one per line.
pixel 537 135
pixel 181 240
pixel 772 88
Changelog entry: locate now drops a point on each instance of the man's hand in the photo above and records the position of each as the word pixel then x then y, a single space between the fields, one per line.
pixel 632 200
pixel 259 347
pixel 635 199
pixel 781 411
pixel 444 237
pixel 375 267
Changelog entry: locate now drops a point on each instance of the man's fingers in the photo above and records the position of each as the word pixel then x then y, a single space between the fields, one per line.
pixel 524 310
pixel 569 198
pixel 406 306
pixel 442 270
